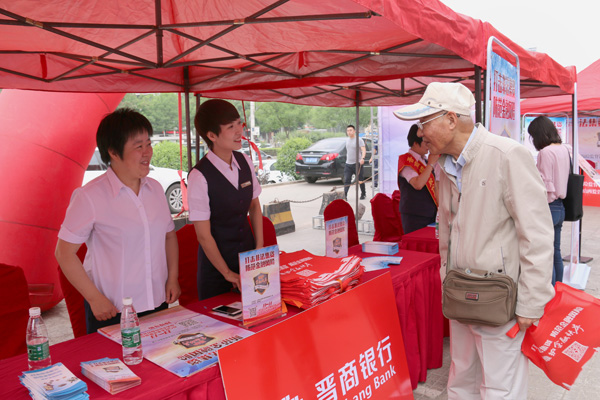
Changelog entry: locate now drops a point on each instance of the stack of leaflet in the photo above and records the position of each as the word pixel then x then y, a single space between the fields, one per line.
pixel 308 280
pixel 55 382
pixel 111 374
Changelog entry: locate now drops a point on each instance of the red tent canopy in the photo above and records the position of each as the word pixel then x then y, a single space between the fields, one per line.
pixel 297 51
pixel 588 96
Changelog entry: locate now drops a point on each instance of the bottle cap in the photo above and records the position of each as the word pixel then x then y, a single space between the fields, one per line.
pixel 34 312
pixel 127 301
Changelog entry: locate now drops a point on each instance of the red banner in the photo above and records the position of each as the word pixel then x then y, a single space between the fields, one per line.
pixel 349 347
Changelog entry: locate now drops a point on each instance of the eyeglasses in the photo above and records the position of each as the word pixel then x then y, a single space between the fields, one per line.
pixel 420 124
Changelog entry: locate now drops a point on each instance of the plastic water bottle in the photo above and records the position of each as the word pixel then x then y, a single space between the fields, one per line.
pixel 437 225
pixel 38 347
pixel 130 334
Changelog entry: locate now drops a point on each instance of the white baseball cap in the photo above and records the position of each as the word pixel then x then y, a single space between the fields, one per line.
pixel 440 96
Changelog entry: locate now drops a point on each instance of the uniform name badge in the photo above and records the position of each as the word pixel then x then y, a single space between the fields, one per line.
pixel 245 184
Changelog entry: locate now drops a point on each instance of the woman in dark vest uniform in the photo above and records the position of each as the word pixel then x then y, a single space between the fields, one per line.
pixel 222 192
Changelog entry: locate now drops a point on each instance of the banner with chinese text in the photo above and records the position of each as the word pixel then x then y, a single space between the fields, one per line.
pixel 349 347
pixel 503 115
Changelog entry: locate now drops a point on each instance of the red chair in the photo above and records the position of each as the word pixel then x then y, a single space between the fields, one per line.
pixel 341 208
pixel 388 228
pixel 14 311
pixel 74 299
pixel 269 233
pixel 188 264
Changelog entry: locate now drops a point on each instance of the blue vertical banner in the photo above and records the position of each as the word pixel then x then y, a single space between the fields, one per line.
pixel 503 110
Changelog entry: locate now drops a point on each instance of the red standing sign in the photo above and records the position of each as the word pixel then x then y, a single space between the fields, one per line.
pixel 349 347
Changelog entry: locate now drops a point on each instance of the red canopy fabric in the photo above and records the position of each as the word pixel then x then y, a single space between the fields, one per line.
pixel 588 96
pixel 297 51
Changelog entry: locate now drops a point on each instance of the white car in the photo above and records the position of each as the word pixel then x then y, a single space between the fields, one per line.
pixel 269 174
pixel 167 177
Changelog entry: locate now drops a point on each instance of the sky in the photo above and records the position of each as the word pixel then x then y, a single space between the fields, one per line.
pixel 566 30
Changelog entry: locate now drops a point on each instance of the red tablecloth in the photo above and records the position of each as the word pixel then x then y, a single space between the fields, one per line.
pixel 418 292
pixel 421 240
pixel 418 298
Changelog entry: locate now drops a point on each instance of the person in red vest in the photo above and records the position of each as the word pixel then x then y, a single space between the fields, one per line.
pixel 416 181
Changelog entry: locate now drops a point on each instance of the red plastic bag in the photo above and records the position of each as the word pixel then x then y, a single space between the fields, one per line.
pixel 566 336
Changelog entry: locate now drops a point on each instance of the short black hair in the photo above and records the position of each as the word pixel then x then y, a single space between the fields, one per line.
pixel 413 137
pixel 117 128
pixel 543 132
pixel 351 126
pixel 211 115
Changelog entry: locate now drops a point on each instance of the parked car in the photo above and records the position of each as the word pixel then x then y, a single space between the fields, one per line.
pixel 269 174
pixel 167 177
pixel 326 159
pixel 246 151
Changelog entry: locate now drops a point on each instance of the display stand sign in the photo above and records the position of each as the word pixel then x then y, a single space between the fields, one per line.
pixel 349 347
pixel 180 340
pixel 261 285
pixel 502 102
pixel 336 237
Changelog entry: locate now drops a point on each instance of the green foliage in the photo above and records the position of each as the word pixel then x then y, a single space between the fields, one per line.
pixel 337 118
pixel 286 160
pixel 166 155
pixel 161 109
pixel 276 117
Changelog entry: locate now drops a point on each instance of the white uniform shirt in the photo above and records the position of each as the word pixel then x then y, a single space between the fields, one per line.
pixel 125 235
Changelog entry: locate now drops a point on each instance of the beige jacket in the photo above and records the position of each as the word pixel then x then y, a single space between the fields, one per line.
pixel 502 222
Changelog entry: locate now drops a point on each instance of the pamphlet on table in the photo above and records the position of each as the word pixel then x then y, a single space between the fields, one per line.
pixel 381 262
pixel 55 382
pixel 336 237
pixel 111 374
pixel 380 247
pixel 261 288
pixel 180 340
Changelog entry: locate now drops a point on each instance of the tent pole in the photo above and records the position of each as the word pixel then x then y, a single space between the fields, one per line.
pixel 188 134
pixel 357 165
pixel 477 93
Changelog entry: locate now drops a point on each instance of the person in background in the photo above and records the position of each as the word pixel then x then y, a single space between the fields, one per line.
pixel 350 167
pixel 493 217
pixel 554 163
pixel 416 181
pixel 374 161
pixel 222 192
pixel 124 219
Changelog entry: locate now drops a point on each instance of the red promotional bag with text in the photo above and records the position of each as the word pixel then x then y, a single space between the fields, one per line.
pixel 566 336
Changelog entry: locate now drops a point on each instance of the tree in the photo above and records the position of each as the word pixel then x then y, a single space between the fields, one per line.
pixel 338 118
pixel 286 158
pixel 272 117
pixel 166 155
pixel 161 109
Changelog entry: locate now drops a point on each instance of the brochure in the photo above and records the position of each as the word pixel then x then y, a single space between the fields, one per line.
pixel 111 374
pixel 180 340
pixel 261 287
pixel 336 237
pixel 382 262
pixel 380 247
pixel 55 382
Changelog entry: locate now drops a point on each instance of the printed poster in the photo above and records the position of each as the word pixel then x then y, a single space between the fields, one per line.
pixel 180 340
pixel 261 286
pixel 336 237
pixel 503 111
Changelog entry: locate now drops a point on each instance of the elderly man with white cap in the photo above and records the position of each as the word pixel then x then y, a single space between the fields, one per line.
pixel 493 219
